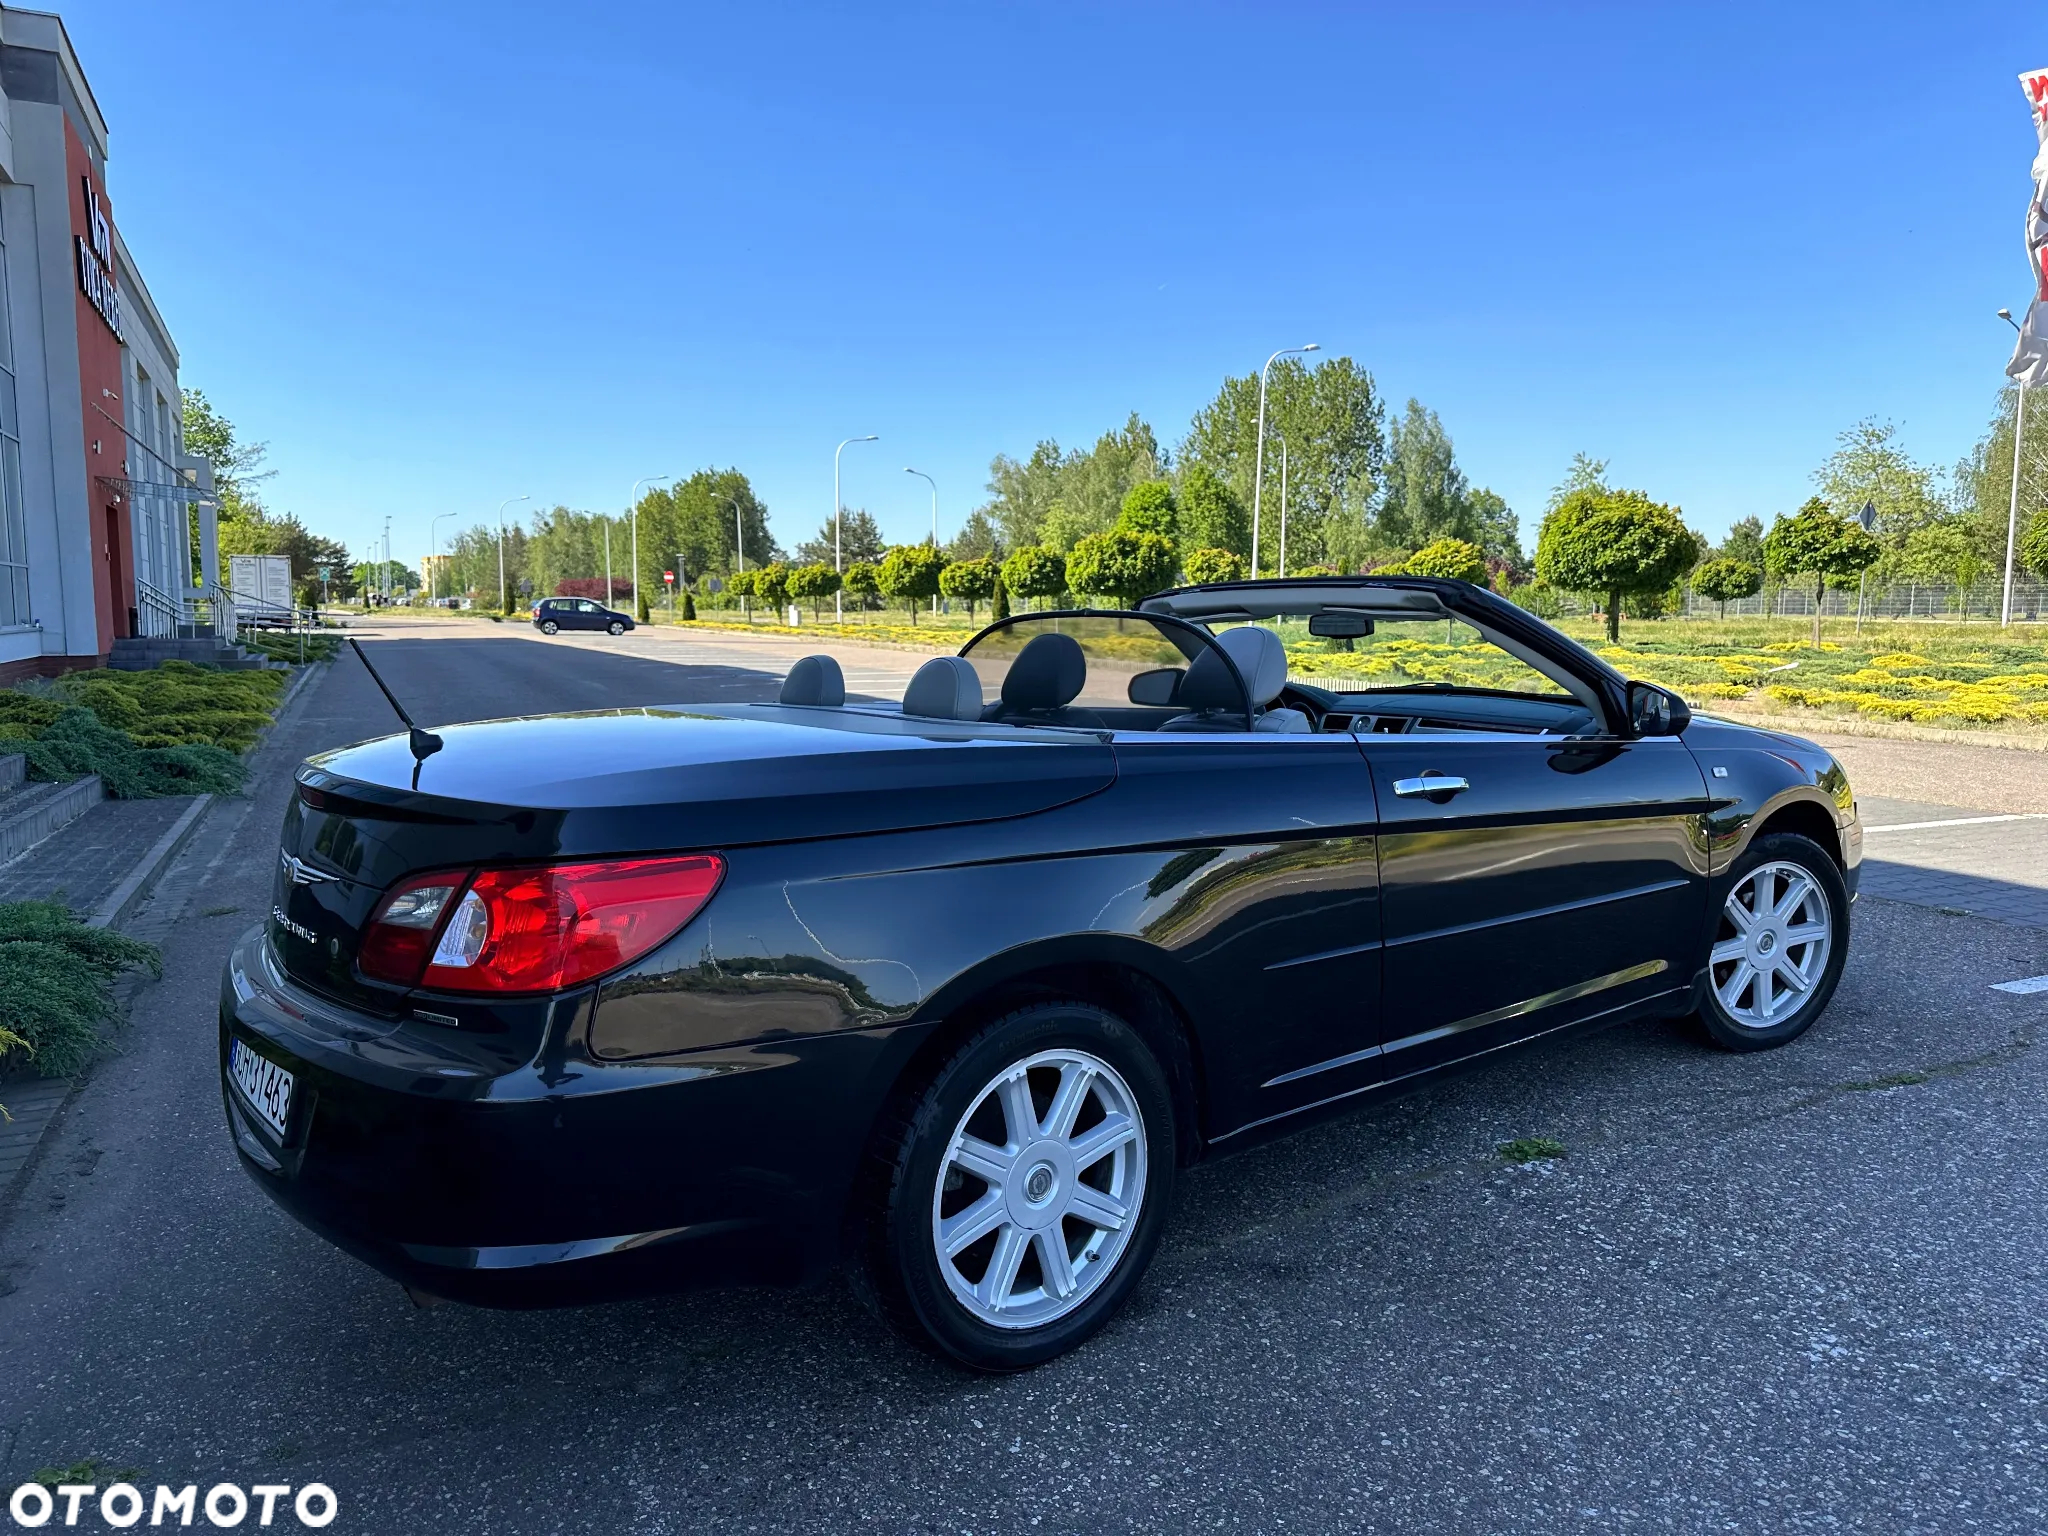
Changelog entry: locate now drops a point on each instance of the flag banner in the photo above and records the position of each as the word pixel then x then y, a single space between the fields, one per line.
pixel 2029 365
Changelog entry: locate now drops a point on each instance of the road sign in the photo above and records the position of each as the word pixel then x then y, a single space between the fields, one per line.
pixel 668 576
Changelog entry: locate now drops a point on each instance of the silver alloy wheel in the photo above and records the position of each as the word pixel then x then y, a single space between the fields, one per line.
pixel 549 627
pixel 1776 931
pixel 1027 1228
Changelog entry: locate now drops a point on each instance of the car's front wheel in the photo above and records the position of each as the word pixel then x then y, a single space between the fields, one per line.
pixel 1019 1199
pixel 615 629
pixel 1779 946
pixel 549 627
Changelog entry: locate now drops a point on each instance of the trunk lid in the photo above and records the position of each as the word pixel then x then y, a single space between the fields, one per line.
pixel 619 782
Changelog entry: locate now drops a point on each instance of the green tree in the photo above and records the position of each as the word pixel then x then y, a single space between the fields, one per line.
pixel 740 585
pixel 1035 571
pixel 813 584
pixel 771 586
pixel 1211 515
pixel 2033 549
pixel 1090 484
pixel 1816 543
pixel 910 575
pixel 1944 551
pixel 978 538
pixel 999 603
pixel 1744 543
pixel 1151 508
pixel 970 581
pixel 1585 473
pixel 864 581
pixel 1870 465
pixel 1449 560
pixel 860 538
pixel 1428 497
pixel 1122 565
pixel 1332 420
pixel 1210 565
pixel 1616 544
pixel 1724 581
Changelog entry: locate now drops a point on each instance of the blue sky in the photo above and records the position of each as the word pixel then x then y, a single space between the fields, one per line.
pixel 438 255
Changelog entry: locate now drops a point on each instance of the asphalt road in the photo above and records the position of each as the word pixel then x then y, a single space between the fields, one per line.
pixel 1798 1291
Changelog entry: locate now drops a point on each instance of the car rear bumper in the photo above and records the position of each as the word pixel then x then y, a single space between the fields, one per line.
pixel 555 1181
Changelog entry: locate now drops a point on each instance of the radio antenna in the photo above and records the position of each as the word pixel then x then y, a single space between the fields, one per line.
pixel 424 744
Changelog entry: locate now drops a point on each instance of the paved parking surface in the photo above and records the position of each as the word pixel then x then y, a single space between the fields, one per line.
pixel 1804 1290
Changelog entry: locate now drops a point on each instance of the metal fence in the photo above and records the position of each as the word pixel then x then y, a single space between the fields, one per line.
pixel 1905 600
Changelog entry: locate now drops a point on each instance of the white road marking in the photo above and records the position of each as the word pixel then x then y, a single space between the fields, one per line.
pixel 2023 986
pixel 1957 821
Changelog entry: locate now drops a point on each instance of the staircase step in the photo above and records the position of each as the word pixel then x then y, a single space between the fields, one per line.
pixel 35 811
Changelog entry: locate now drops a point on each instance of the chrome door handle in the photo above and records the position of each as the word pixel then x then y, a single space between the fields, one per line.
pixel 1431 784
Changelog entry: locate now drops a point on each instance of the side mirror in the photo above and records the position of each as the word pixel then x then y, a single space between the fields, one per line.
pixel 1654 711
pixel 1160 688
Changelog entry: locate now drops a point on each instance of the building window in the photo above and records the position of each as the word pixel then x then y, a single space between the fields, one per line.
pixel 13 517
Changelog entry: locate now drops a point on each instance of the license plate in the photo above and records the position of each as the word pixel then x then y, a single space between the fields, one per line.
pixel 265 1086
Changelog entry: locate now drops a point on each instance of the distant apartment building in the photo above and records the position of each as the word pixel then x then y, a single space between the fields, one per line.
pixel 96 491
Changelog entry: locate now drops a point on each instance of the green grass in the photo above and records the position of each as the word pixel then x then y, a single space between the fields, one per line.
pixel 1530 1149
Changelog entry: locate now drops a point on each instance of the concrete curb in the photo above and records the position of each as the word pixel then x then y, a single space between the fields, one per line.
pixel 142 879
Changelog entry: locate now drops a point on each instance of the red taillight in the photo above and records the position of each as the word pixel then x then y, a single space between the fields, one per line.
pixel 536 929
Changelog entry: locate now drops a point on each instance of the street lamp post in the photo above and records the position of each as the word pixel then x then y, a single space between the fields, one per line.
pixel 928 480
pixel 1283 502
pixel 501 547
pixel 434 539
pixel 1259 452
pixel 633 504
pixel 838 610
pixel 739 544
pixel 2012 513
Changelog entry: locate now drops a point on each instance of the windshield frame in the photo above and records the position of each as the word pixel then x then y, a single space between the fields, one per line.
pixel 1171 624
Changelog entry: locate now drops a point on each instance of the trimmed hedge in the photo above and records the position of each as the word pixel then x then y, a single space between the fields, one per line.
pixel 56 984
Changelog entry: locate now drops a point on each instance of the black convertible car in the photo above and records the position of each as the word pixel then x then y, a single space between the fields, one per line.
pixel 950 988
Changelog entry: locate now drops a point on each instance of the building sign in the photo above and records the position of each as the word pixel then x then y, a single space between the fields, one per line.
pixel 96 261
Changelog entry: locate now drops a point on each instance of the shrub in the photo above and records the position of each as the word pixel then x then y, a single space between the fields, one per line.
pixel 1727 581
pixel 1614 543
pixel 970 581
pixel 78 743
pixel 1449 560
pixel 1150 508
pixel 864 581
pixel 56 977
pixel 1813 542
pixel 1122 565
pixel 1208 565
pixel 813 584
pixel 592 587
pixel 910 575
pixel 1035 571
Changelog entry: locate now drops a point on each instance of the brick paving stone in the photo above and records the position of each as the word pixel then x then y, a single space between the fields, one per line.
pixel 88 858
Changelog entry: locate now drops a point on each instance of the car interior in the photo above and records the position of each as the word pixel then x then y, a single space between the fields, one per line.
pixel 1086 671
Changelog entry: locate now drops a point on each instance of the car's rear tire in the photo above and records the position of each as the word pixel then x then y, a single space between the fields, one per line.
pixel 1001 1255
pixel 615 629
pixel 549 626
pixel 1779 944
